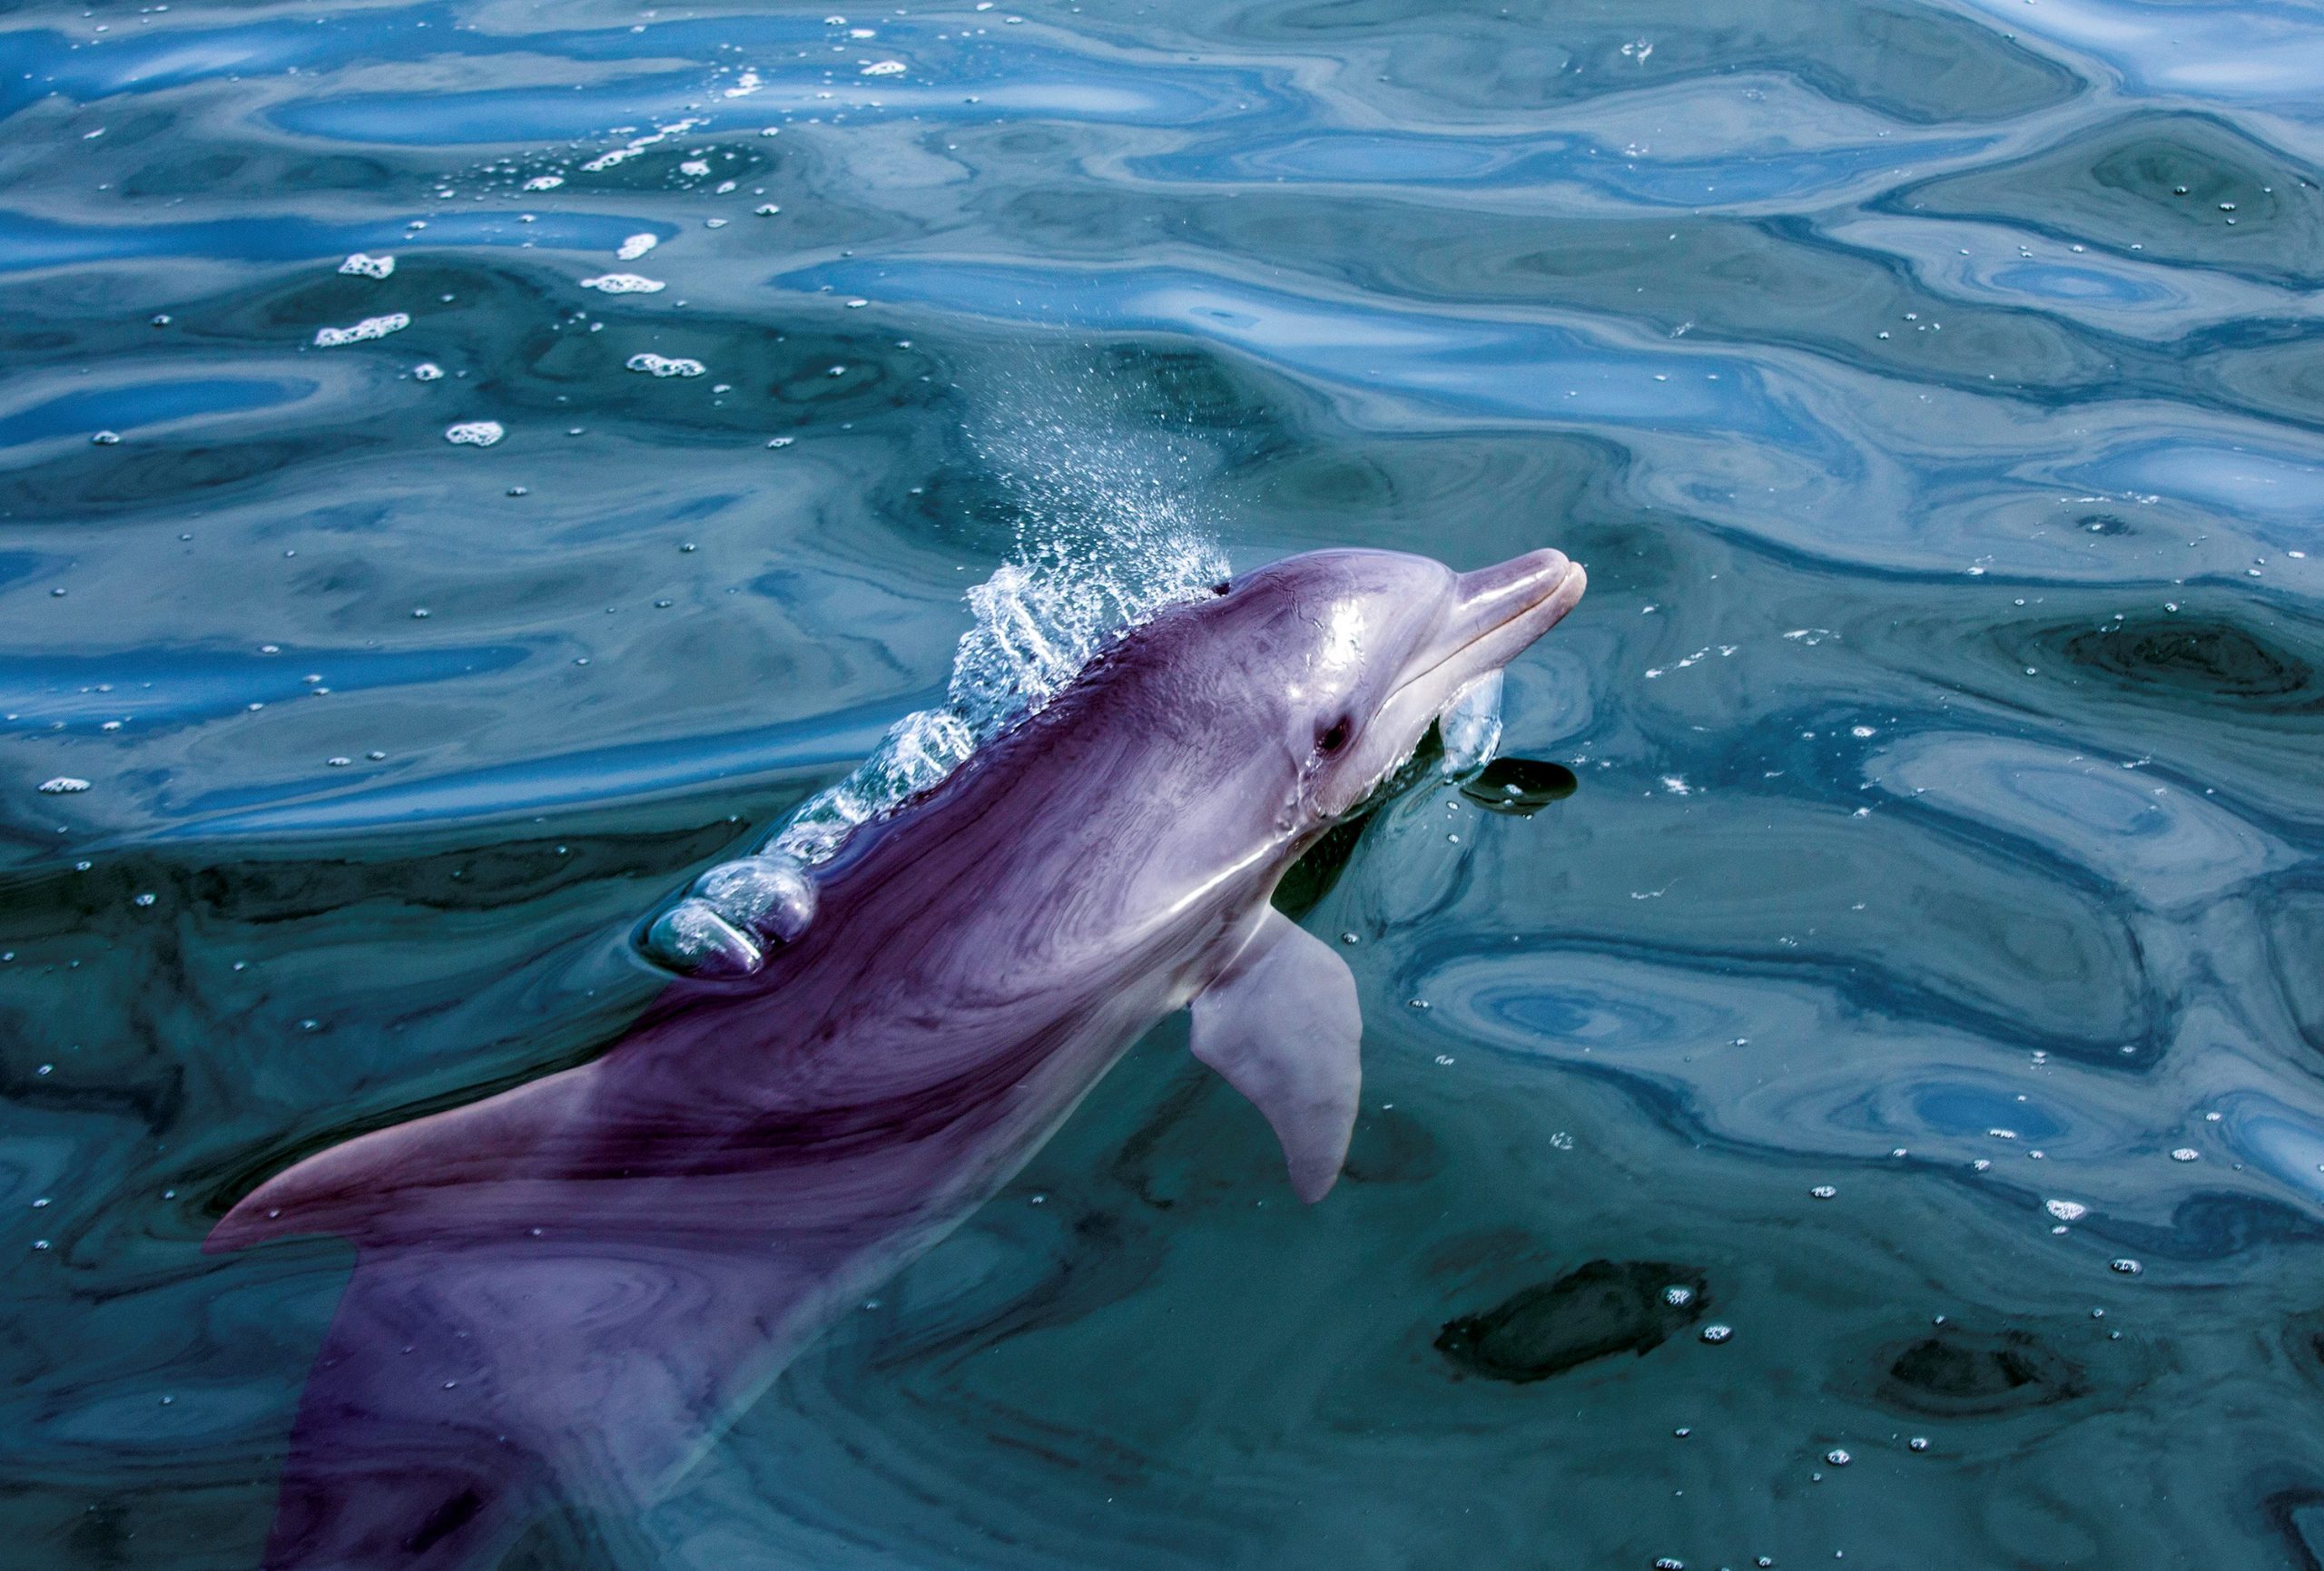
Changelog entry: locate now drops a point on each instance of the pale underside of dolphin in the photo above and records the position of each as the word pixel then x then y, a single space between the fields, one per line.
pixel 567 1290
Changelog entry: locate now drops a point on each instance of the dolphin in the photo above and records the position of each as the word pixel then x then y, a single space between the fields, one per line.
pixel 564 1292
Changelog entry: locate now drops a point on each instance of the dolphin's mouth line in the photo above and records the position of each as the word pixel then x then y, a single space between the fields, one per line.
pixel 1518 615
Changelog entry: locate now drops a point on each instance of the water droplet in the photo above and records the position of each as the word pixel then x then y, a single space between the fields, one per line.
pixel 64 785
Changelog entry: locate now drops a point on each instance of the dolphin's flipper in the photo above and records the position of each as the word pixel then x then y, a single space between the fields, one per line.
pixel 1282 1025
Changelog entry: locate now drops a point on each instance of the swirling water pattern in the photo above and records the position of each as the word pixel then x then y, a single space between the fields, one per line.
pixel 1933 391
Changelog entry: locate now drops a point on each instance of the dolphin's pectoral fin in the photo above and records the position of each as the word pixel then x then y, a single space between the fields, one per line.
pixel 1283 1027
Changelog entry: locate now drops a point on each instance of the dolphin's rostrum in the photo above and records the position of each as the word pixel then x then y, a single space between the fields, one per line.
pixel 567 1289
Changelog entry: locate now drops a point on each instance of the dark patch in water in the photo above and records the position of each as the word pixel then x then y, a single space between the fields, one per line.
pixel 1598 1309
pixel 2299 1515
pixel 1520 787
pixel 2216 1226
pixel 2214 660
pixel 2304 1340
pixel 2182 188
pixel 1391 1146
pixel 1311 877
pixel 1963 1374
pixel 2295 937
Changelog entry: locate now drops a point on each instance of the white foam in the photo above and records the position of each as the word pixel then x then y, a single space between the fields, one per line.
pixel 625 284
pixel 1104 542
pixel 637 144
pixel 369 267
pixel 636 246
pixel 474 433
pixel 545 182
pixel 369 328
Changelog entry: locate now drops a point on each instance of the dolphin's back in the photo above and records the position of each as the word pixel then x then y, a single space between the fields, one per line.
pixel 957 947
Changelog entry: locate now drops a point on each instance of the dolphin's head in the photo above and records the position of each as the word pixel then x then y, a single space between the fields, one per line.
pixel 1349 656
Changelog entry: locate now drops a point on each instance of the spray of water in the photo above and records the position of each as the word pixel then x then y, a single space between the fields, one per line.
pixel 1105 539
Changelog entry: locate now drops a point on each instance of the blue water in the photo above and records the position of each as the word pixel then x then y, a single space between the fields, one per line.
pixel 1935 393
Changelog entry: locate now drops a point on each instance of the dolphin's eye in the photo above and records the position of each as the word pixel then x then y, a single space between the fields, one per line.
pixel 1334 738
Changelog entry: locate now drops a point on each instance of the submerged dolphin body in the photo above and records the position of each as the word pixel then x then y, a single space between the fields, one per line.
pixel 570 1288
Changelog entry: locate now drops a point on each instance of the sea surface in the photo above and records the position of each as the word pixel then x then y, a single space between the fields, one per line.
pixel 1925 978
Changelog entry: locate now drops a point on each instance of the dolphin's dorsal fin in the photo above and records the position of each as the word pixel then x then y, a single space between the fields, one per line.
pixel 1282 1025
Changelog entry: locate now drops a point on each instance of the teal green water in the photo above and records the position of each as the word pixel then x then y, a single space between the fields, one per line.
pixel 1924 975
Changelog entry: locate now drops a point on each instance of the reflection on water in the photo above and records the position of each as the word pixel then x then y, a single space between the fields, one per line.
pixel 1932 932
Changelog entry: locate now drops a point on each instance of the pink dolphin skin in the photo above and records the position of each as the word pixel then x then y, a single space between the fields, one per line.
pixel 568 1289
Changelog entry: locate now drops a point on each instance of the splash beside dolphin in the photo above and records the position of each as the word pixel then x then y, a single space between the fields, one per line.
pixel 570 1288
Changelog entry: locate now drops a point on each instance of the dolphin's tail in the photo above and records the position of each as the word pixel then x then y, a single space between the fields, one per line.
pixel 400 1457
pixel 466 1387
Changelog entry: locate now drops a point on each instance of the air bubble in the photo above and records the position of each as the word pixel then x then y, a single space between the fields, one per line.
pixel 693 938
pixel 666 365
